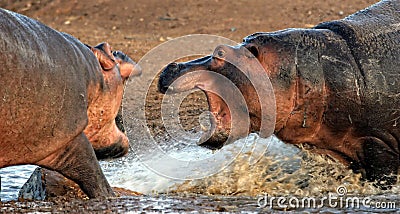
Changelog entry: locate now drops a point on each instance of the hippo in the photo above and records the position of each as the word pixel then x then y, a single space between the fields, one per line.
pixel 336 87
pixel 59 100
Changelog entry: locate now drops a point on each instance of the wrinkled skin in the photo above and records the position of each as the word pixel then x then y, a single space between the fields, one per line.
pixel 59 98
pixel 336 88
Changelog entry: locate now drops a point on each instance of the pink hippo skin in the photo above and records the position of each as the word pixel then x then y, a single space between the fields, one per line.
pixel 58 98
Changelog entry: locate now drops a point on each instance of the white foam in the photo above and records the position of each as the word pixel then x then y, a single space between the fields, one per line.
pixel 143 174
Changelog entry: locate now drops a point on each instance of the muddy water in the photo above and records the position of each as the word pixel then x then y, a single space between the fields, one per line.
pixel 249 184
pixel 283 159
pixel 245 185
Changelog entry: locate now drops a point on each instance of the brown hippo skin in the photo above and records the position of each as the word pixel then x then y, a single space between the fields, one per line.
pixel 57 97
pixel 336 86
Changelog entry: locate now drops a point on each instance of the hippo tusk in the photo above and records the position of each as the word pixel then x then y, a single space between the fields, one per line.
pixel 203 128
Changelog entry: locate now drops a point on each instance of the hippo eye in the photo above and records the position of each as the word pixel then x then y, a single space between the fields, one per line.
pixel 221 53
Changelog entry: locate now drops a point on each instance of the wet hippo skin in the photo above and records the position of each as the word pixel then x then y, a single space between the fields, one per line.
pixel 336 86
pixel 59 100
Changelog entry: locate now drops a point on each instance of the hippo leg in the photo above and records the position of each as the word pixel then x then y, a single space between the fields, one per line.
pixel 78 162
pixel 381 162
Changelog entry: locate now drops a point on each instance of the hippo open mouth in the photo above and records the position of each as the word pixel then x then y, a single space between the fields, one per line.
pixel 220 123
pixel 119 148
pixel 237 87
pixel 224 78
pixel 173 81
pixel 107 134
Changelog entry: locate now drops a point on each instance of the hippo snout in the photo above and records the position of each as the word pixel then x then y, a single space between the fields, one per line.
pixel 168 75
pixel 175 73
pixel 127 66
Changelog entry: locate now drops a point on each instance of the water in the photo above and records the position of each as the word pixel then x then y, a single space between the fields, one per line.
pixel 246 184
pixel 131 173
pixel 12 179
pixel 147 180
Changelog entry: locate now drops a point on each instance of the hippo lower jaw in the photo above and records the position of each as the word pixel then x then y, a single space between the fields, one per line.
pixel 220 123
pixel 217 133
pixel 116 150
pixel 198 74
pixel 110 142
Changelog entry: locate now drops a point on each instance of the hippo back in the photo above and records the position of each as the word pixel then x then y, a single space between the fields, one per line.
pixel 44 77
pixel 373 37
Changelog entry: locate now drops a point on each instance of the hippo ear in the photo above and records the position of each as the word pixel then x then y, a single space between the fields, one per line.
pixel 104 55
pixel 126 65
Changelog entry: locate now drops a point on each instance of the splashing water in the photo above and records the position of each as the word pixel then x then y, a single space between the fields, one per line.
pixel 282 170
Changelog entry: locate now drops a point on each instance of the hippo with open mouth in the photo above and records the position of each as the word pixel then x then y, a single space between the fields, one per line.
pixel 58 100
pixel 336 87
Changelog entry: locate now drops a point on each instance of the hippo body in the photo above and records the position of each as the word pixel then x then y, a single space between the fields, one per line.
pixel 336 86
pixel 56 93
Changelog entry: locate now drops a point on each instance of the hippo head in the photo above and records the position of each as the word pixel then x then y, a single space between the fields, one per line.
pixel 227 79
pixel 105 128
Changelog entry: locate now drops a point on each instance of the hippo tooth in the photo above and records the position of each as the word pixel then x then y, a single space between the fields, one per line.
pixel 203 128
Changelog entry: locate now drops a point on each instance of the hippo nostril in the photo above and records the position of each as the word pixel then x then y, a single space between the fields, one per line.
pixel 173 67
